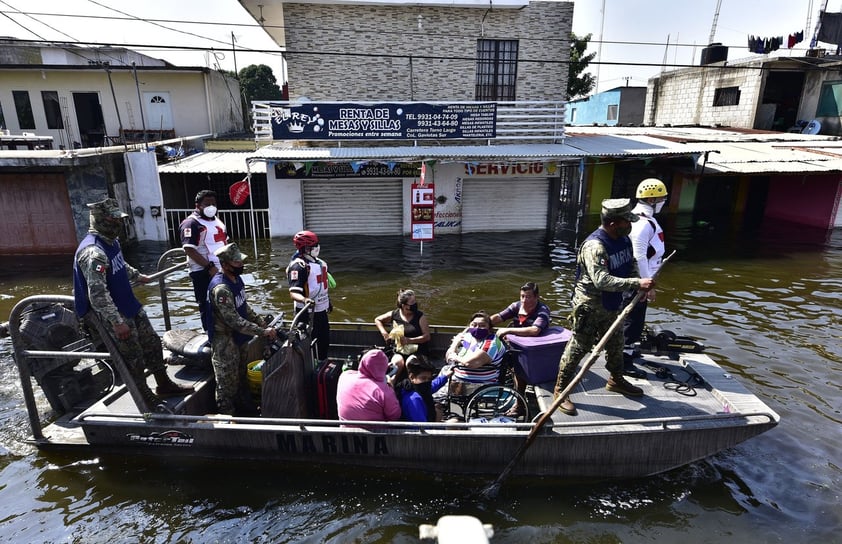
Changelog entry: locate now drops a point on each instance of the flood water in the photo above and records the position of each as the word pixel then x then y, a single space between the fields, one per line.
pixel 765 301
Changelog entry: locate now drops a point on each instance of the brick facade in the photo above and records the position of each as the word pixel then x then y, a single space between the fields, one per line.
pixel 381 46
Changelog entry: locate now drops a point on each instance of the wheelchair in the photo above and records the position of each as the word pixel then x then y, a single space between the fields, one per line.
pixel 466 401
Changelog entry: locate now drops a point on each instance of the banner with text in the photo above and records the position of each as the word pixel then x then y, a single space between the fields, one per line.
pixel 388 121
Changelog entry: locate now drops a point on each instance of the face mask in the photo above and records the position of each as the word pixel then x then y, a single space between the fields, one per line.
pixel 624 231
pixel 209 211
pixel 424 389
pixel 478 333
pixel 315 252
pixel 413 307
pixel 108 229
pixel 237 270
pixel 659 206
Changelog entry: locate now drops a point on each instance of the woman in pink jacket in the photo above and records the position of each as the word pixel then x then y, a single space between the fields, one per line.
pixel 364 395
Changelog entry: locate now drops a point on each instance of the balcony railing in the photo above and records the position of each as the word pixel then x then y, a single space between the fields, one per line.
pixel 515 121
pixel 237 223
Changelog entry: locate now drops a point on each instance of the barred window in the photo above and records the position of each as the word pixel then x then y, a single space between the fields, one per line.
pixel 726 96
pixel 496 69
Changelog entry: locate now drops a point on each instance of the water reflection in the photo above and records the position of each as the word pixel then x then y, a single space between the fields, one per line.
pixel 764 300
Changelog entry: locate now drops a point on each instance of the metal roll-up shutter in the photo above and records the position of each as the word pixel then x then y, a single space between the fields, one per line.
pixel 358 206
pixel 505 204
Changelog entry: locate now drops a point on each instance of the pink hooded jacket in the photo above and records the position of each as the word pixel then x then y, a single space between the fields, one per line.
pixel 364 395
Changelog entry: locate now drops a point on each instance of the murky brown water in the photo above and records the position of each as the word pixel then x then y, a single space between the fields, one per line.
pixel 765 302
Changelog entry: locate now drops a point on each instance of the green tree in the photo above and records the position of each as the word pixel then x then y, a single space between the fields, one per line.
pixel 578 83
pixel 257 82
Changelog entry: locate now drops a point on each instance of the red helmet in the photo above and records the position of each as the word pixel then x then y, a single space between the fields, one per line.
pixel 305 238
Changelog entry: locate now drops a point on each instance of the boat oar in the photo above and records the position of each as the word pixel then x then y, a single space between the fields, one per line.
pixel 491 490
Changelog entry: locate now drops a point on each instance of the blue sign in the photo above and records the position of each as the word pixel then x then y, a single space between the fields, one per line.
pixel 411 121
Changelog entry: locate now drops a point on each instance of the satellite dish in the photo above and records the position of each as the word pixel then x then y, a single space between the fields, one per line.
pixel 813 127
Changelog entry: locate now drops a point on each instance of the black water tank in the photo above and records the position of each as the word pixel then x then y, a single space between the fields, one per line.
pixel 715 52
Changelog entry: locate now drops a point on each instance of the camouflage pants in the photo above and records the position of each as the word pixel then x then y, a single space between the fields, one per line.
pixel 142 349
pixel 229 369
pixel 590 323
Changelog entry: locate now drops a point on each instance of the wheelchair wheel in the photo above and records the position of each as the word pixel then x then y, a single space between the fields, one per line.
pixel 495 401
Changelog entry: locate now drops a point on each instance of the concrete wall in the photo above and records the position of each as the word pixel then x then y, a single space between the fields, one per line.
pixel 389 39
pixel 189 98
pixel 685 97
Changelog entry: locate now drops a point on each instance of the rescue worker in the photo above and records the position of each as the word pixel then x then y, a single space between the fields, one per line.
pixel 202 233
pixel 308 283
pixel 605 267
pixel 233 324
pixel 102 282
pixel 647 239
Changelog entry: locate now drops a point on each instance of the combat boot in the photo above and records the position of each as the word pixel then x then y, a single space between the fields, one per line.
pixel 618 384
pixel 566 405
pixel 168 388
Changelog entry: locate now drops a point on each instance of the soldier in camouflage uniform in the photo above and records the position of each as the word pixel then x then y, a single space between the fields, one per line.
pixel 233 324
pixel 605 268
pixel 102 283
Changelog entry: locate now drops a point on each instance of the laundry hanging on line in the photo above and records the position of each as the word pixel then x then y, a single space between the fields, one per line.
pixel 794 38
pixel 764 45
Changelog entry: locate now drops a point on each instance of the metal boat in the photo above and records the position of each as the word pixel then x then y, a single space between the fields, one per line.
pixel 79 399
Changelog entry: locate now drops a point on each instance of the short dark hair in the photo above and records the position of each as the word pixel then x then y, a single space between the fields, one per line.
pixel 483 314
pixel 201 195
pixel 530 286
pixel 418 363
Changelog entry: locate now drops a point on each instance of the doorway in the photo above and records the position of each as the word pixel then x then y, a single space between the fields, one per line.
pixel 89 118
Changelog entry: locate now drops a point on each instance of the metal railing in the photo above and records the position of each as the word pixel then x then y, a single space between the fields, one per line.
pixel 515 121
pixel 237 222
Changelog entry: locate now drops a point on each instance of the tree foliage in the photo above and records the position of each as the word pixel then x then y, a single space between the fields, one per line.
pixel 578 83
pixel 257 82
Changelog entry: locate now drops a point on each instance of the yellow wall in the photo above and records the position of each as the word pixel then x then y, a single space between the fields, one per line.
pixel 601 181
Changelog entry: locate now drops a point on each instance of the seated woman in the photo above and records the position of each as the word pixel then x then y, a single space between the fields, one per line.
pixel 364 395
pixel 410 331
pixel 416 392
pixel 475 355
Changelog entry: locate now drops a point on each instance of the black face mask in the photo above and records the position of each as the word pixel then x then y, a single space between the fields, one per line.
pixel 413 307
pixel 423 389
pixel 236 270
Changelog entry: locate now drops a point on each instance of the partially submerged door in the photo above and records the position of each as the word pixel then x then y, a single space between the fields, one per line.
pixel 35 216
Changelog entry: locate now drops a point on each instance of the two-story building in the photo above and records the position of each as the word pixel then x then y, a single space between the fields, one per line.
pixel 472 90
pixel 69 116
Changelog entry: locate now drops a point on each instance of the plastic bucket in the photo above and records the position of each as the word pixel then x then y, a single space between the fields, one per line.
pixel 254 374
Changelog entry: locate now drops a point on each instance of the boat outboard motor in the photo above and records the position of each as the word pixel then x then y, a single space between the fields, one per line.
pixel 66 383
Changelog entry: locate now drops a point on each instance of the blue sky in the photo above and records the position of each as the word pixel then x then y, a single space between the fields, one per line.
pixel 686 23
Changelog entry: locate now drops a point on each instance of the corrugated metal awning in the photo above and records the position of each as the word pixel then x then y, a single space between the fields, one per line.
pixel 216 162
pixel 572 148
pixel 778 158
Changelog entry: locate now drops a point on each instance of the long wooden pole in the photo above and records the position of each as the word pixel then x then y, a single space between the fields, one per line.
pixel 492 489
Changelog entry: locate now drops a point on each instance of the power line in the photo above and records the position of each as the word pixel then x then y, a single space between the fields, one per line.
pixel 289 52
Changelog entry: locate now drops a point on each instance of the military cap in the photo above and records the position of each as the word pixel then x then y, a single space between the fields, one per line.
pixel 230 252
pixel 618 208
pixel 107 208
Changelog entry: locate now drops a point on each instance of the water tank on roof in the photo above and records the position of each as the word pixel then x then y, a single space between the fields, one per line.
pixel 715 52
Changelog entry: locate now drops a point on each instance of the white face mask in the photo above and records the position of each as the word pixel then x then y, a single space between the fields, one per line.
pixel 659 206
pixel 315 252
pixel 209 211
